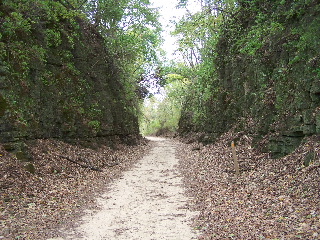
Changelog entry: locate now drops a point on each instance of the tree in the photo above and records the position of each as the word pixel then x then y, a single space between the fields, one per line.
pixel 198 34
pixel 163 114
pixel 131 31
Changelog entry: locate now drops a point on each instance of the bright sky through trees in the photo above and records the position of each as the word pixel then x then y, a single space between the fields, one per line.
pixel 169 13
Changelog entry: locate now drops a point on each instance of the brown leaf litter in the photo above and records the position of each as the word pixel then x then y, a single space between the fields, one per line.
pixel 33 206
pixel 271 199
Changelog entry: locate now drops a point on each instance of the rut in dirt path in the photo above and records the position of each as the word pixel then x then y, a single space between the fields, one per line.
pixel 147 203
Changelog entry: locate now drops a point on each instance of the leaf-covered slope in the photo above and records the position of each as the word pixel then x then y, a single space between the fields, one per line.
pixel 270 199
pixel 34 206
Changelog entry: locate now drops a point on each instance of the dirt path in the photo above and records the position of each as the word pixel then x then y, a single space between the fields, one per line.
pixel 148 202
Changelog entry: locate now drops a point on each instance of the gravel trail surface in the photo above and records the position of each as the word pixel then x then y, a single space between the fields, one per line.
pixel 147 203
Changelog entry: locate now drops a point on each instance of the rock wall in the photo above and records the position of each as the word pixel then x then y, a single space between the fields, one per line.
pixel 58 79
pixel 268 66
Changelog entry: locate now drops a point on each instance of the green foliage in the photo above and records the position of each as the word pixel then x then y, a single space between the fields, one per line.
pixel 94 112
pixel 24 50
pixel 40 42
pixel 241 59
pixel 131 31
pixel 53 38
pixel 95 124
pixel 198 35
pixel 14 24
pixel 163 114
pixel 131 28
pixel 259 34
pixel 317 71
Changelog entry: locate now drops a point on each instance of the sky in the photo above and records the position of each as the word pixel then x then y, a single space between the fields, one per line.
pixel 168 11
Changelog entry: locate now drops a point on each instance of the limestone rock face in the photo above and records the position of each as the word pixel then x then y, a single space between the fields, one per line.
pixel 267 59
pixel 58 80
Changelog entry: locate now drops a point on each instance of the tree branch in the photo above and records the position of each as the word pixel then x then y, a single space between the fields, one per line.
pixel 80 164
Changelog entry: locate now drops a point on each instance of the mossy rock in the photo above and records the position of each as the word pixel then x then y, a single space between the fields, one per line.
pixel 315 87
pixel 23 156
pixel 9 146
pixel 3 106
pixel 308 116
pixel 318 122
pixel 309 158
pixel 309 129
pixel 283 145
pixel 3 70
pixel 30 168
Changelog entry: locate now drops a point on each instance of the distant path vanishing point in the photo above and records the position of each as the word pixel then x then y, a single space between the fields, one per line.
pixel 147 203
